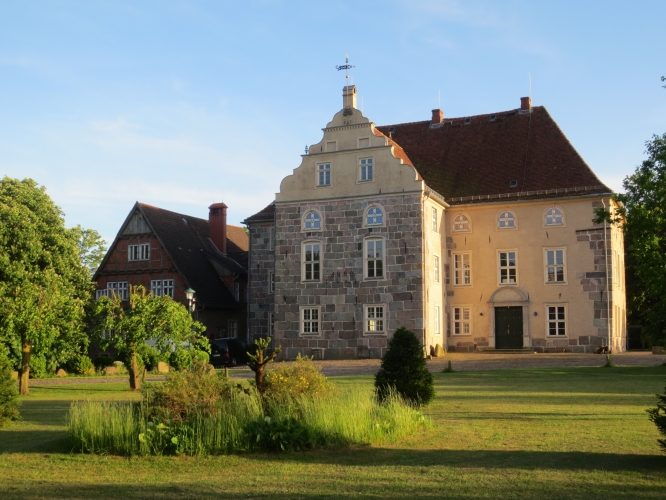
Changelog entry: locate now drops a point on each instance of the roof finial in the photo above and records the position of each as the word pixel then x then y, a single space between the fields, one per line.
pixel 346 67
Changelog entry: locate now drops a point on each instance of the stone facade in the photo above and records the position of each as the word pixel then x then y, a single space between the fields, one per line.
pixel 261 265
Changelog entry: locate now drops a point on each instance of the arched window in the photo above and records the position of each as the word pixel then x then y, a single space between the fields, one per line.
pixel 460 223
pixel 312 221
pixel 374 216
pixel 554 217
pixel 506 220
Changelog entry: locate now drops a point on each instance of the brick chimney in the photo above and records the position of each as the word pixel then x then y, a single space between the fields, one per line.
pixel 437 116
pixel 349 96
pixel 526 104
pixel 217 226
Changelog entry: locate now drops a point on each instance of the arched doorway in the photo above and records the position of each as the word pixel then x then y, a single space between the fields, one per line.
pixel 509 318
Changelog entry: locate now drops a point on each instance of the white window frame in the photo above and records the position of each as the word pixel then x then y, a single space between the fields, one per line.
pixel 546 215
pixel 375 319
pixel 462 276
pixel 317 265
pixel 434 220
pixel 271 324
pixel 507 220
pixel 438 330
pixel 371 264
pixel 507 267
pixel 555 266
pixel 232 328
pixel 366 169
pixel 161 288
pixel 436 268
pixel 119 288
pixel 366 214
pixel 310 321
pixel 102 292
pixel 138 252
pixel 323 168
pixel 467 222
pixel 237 291
pixel 271 281
pixel 305 221
pixel 458 320
pixel 557 321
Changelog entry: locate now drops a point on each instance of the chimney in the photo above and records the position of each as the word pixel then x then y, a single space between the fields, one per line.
pixel 526 104
pixel 217 226
pixel 437 116
pixel 349 96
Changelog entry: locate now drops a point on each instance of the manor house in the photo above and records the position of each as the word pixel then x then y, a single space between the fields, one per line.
pixel 474 232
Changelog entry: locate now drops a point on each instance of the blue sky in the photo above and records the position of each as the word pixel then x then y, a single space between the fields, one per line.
pixel 183 103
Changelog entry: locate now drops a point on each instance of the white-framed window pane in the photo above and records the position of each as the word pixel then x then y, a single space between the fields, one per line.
pixel 462 269
pixel 324 174
pixel 311 321
pixel 312 221
pixel 366 169
pixel 271 319
pixel 506 220
pixel 123 290
pixel 554 217
pixel 237 291
pixel 156 287
pixel 375 258
pixel 312 261
pixel 555 272
pixel 462 321
pixel 271 282
pixel 507 265
pixel 556 321
pixel 375 319
pixel 375 216
pixel 232 328
pixel 460 223
pixel 101 293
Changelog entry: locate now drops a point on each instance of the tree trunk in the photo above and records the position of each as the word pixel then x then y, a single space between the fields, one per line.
pixel 135 378
pixel 26 350
pixel 259 379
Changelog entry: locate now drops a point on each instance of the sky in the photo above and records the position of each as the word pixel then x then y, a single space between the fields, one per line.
pixel 180 104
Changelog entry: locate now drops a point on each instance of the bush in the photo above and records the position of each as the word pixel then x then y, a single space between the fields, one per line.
pixel 658 416
pixel 38 367
pixel 404 368
pixel 150 356
pixel 102 362
pixel 301 378
pixel 80 364
pixel 180 359
pixel 9 396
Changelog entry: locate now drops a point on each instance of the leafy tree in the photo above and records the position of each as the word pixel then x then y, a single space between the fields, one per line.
pixel 44 288
pixel 8 393
pixel 147 317
pixel 658 416
pixel 258 361
pixel 404 370
pixel 91 246
pixel 641 212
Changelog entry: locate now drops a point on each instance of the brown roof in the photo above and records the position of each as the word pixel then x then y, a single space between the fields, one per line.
pixel 266 214
pixel 481 158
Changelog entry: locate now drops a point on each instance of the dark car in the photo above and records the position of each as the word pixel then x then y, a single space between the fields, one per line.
pixel 228 352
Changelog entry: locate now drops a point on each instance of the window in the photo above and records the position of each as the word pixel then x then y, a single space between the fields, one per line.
pixel 436 269
pixel 374 319
pixel 506 220
pixel 237 291
pixel 324 170
pixel 271 282
pixel 556 321
pixel 312 221
pixel 555 266
pixel 310 321
pixel 374 258
pixel 162 287
pixel 311 261
pixel 437 330
pixel 434 219
pixel 232 327
pixel 374 216
pixel 462 320
pixel 101 293
pixel 271 319
pixel 462 269
pixel 554 217
pixel 366 169
pixel 117 288
pixel 138 252
pixel 460 223
pixel 507 268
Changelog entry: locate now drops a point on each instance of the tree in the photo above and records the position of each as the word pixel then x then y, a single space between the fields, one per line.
pixel 44 288
pixel 91 247
pixel 147 317
pixel 258 361
pixel 658 416
pixel 641 212
pixel 404 370
pixel 8 393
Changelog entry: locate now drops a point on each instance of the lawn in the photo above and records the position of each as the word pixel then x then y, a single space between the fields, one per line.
pixel 526 434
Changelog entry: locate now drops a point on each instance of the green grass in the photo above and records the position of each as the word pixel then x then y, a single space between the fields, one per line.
pixel 574 433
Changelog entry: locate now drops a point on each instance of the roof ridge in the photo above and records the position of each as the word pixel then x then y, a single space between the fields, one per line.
pixel 459 117
pixel 172 212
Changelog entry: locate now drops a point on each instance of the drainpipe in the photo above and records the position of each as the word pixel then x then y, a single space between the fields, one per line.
pixel 249 287
pixel 608 292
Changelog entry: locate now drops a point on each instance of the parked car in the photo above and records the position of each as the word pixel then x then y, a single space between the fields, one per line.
pixel 228 352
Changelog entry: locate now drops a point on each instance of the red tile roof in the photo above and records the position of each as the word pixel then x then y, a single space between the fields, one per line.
pixel 481 158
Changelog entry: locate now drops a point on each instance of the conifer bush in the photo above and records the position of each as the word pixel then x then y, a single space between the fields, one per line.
pixel 658 416
pixel 8 392
pixel 404 370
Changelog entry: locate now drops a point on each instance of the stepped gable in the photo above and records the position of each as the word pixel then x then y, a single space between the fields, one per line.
pixel 186 240
pixel 481 158
pixel 266 214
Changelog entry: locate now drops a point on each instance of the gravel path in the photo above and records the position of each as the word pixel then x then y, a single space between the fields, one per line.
pixel 459 362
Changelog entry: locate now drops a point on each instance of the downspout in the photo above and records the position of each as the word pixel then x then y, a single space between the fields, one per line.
pixel 424 274
pixel 608 290
pixel 249 287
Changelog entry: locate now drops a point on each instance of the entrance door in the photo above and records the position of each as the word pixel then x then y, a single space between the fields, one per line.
pixel 509 327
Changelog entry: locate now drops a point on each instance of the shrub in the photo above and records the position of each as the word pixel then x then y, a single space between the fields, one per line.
pixel 38 367
pixel 180 359
pixel 150 356
pixel 80 364
pixel 301 378
pixel 404 368
pixel 9 398
pixel 658 416
pixel 102 362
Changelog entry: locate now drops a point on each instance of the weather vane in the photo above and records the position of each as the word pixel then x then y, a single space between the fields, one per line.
pixel 346 67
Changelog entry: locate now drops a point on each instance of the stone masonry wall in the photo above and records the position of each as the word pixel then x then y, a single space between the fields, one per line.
pixel 342 291
pixel 261 263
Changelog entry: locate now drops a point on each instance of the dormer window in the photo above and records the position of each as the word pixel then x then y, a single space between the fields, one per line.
pixel 312 221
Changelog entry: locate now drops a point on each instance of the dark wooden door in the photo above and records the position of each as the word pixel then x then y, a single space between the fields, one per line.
pixel 509 327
